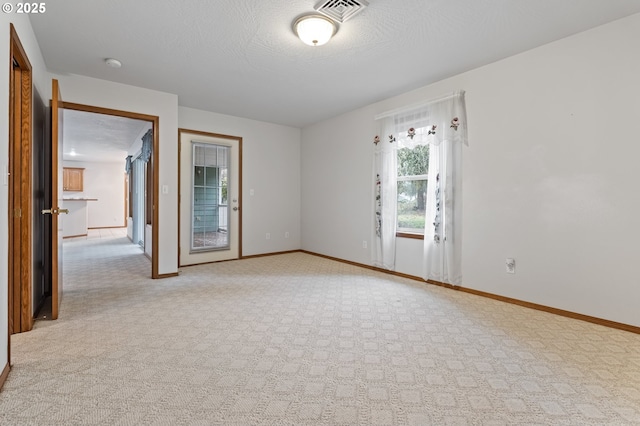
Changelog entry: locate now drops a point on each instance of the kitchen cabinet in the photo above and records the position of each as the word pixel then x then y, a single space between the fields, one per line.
pixel 72 178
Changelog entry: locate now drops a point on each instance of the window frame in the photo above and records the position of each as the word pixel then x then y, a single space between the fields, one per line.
pixel 218 188
pixel 412 233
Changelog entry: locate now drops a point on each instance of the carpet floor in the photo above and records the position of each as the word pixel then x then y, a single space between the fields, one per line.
pixel 295 339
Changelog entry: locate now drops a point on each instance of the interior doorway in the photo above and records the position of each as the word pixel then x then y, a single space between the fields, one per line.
pixel 27 277
pixel 140 195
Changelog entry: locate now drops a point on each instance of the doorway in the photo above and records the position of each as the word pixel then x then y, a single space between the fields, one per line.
pixel 210 185
pixel 140 175
pixel 29 277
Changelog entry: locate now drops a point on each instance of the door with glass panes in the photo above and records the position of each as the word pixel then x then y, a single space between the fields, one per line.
pixel 209 197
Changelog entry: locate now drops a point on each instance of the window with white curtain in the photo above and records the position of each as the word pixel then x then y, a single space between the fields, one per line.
pixel 417 175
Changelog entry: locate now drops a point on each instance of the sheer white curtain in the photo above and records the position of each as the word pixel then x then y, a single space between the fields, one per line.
pixel 443 125
pixel 385 197
pixel 443 225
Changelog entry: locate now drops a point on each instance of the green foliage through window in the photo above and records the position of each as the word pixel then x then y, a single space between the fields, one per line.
pixel 413 162
pixel 413 167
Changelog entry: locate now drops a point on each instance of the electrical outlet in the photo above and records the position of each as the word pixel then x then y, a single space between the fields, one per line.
pixel 268 236
pixel 286 234
pixel 511 265
pixel 364 244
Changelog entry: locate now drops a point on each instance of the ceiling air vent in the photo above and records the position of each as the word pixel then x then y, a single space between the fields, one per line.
pixel 341 10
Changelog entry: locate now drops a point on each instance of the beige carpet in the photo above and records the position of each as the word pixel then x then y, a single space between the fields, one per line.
pixel 300 340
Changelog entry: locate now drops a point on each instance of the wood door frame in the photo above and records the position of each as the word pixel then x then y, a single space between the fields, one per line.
pixel 155 126
pixel 214 135
pixel 20 189
pixel 55 187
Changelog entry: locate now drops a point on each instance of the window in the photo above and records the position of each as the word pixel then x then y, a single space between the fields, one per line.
pixel 210 207
pixel 417 176
pixel 413 168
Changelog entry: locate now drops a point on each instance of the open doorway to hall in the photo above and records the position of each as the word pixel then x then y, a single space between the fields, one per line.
pixel 108 176
pixel 106 186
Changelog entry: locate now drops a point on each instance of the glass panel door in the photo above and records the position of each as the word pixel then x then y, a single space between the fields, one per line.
pixel 210 207
pixel 210 197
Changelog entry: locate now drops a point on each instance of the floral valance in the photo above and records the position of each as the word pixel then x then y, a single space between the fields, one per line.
pixel 429 123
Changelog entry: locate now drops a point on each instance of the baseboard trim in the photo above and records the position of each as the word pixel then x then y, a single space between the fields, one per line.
pixel 530 305
pixel 275 253
pixel 551 310
pixel 362 265
pixel 108 227
pixel 4 375
pixel 241 257
pixel 171 275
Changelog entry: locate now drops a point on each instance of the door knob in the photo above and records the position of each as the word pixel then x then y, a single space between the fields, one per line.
pixel 55 211
pixel 235 209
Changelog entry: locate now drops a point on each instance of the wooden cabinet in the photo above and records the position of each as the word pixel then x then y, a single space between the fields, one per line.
pixel 72 178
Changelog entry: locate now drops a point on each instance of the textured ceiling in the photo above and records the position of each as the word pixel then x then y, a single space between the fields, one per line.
pixel 242 58
pixel 99 137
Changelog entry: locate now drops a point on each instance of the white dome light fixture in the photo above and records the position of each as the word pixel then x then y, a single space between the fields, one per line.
pixel 314 30
pixel 113 63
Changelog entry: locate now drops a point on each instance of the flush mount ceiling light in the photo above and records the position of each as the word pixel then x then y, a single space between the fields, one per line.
pixel 314 30
pixel 113 63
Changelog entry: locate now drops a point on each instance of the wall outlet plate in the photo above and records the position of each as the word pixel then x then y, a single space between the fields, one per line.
pixel 511 265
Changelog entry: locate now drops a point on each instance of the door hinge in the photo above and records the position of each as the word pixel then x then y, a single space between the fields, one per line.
pixel 17 212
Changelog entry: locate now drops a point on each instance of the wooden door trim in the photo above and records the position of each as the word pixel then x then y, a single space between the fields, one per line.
pixel 4 374
pixel 155 123
pixel 56 236
pixel 19 277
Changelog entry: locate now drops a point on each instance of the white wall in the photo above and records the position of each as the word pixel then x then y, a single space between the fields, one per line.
pixel 270 168
pixel 550 176
pixel 101 93
pixel 42 85
pixel 104 181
